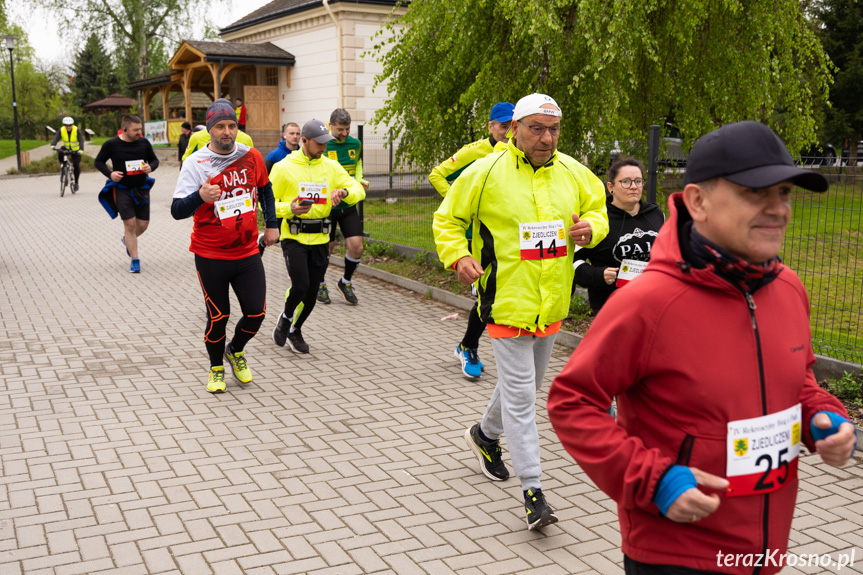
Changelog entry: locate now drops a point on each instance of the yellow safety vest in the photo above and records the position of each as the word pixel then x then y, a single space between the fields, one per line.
pixel 70 139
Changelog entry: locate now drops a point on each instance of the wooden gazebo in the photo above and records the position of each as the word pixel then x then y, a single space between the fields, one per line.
pixel 113 103
pixel 224 69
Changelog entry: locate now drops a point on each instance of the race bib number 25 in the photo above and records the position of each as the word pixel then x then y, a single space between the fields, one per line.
pixel 542 240
pixel 762 452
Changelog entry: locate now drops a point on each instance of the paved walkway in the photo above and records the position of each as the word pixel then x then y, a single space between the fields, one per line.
pixel 351 460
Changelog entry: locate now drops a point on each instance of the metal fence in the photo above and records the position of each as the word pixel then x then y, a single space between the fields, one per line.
pixel 822 244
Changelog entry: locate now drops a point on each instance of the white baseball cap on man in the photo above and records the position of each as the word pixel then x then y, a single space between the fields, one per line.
pixel 532 104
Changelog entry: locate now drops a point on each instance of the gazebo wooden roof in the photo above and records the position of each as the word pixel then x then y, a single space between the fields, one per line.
pixel 202 66
pixel 112 101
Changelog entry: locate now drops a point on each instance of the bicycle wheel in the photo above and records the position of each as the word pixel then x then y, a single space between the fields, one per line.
pixel 64 179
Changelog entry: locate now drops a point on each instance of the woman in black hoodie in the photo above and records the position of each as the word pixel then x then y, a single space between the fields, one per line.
pixel 632 228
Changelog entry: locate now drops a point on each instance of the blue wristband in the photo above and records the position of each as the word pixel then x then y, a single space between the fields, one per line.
pixel 677 480
pixel 836 420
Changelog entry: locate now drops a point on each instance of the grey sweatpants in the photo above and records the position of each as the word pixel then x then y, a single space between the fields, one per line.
pixel 521 364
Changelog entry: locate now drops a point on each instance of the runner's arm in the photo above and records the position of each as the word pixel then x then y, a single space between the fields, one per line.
pixel 187 195
pixel 284 190
pixel 152 159
pixel 451 220
pixel 437 177
pixel 592 206
pixel 265 192
pixel 356 191
pixel 359 173
pixel 268 205
pixel 103 156
pixel 588 275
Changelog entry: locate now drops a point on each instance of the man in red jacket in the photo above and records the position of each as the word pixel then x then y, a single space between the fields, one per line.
pixel 708 353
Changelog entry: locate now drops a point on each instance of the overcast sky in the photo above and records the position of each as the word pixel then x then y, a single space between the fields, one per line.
pixel 52 45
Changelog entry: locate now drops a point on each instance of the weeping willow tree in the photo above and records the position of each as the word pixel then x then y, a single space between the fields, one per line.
pixel 614 66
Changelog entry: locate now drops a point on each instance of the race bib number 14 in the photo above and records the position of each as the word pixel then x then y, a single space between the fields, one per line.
pixel 762 452
pixel 542 240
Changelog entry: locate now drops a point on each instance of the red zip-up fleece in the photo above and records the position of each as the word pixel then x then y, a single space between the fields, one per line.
pixel 685 353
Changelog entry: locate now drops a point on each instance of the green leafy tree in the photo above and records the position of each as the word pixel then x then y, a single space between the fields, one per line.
pixel 136 28
pixel 41 90
pixel 615 67
pixel 94 73
pixel 841 32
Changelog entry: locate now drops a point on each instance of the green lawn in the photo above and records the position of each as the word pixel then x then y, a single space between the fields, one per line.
pixel 406 221
pixel 7 147
pixel 822 245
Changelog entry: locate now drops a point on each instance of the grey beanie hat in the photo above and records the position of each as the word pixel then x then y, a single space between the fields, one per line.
pixel 220 110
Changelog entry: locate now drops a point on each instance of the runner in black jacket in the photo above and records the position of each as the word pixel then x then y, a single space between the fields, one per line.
pixel 132 161
pixel 633 225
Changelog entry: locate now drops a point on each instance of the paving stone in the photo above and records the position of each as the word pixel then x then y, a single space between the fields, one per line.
pixel 116 460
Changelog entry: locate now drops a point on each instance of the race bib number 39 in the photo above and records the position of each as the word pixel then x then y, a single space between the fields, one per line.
pixel 762 452
pixel 234 207
pixel 542 240
pixel 314 191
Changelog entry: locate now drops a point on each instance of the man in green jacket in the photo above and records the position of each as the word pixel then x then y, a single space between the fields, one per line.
pixel 441 177
pixel 347 151
pixel 530 206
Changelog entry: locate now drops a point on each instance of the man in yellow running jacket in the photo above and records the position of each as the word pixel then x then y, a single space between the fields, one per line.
pixel 530 205
pixel 441 178
pixel 306 186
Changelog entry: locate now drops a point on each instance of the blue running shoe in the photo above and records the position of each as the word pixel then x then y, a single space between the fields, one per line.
pixel 470 364
pixel 123 241
pixel 135 267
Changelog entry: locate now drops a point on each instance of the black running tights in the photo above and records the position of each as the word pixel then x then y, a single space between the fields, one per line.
pixel 247 278
pixel 307 266
pixel 474 330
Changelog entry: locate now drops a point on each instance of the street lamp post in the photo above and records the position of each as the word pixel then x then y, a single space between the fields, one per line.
pixel 10 45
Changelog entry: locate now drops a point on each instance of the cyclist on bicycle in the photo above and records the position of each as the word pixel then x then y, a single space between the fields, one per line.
pixel 73 141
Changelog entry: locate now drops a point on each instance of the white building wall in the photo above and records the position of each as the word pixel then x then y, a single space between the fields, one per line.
pixel 313 92
pixel 311 37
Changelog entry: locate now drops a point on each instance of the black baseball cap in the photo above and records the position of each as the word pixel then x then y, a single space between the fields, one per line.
pixel 748 154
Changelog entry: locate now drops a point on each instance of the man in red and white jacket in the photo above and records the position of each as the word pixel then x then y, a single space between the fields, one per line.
pixel 708 353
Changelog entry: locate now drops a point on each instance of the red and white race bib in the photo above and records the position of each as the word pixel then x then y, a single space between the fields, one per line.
pixel 134 167
pixel 317 192
pixel 542 240
pixel 629 270
pixel 234 207
pixel 762 452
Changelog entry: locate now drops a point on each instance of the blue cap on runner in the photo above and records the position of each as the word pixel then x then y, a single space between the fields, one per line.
pixel 501 112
